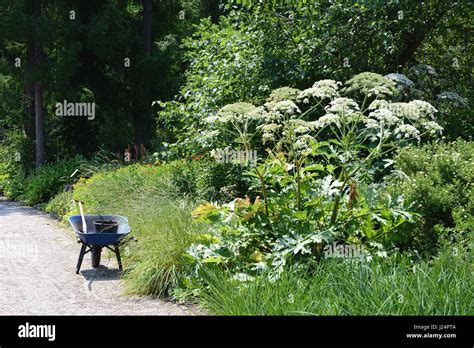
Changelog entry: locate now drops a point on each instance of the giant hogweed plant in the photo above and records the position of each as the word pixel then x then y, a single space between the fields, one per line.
pixel 321 180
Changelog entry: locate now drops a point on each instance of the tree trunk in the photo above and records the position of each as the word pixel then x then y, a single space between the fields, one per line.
pixel 141 110
pixel 39 123
pixel 147 11
pixel 215 11
pixel 411 41
pixel 29 120
pixel 39 116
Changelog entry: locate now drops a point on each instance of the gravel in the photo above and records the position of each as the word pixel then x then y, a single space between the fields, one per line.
pixel 38 257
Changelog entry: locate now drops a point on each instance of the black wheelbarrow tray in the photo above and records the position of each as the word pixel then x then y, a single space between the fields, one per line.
pixel 96 238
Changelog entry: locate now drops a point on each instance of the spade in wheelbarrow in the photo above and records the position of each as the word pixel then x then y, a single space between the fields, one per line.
pixel 96 232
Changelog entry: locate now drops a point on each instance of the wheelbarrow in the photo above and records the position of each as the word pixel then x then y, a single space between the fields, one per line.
pixel 96 232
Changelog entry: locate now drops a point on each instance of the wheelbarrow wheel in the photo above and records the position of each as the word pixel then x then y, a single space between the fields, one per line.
pixel 95 254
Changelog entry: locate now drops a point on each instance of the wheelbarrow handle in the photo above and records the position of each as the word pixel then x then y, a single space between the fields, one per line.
pixel 84 225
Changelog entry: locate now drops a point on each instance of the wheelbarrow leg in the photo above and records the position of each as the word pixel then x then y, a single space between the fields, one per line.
pixel 119 260
pixel 96 250
pixel 81 257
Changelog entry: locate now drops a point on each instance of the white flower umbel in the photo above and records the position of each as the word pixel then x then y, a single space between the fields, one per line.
pixel 259 114
pixel 432 127
pixel 320 90
pixel 384 116
pixel 285 107
pixel 378 104
pixel 271 127
pixel 269 131
pixel 299 126
pixel 406 131
pixel 415 110
pixel 302 130
pixel 237 112
pixel 327 120
pixel 328 84
pixel 371 123
pixel 423 108
pixel 404 110
pixel 380 91
pixel 343 106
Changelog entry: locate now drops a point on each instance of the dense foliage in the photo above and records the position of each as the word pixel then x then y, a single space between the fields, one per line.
pixel 254 50
pixel 275 157
pixel 322 181
pixel 439 178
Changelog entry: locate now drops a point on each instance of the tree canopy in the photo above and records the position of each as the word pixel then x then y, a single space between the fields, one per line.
pixel 156 69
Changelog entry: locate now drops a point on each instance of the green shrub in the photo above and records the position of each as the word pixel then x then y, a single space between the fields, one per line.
pixel 38 186
pixel 60 204
pixel 3 182
pixel 12 185
pixel 12 174
pixel 209 180
pixel 15 160
pixel 48 181
pixel 440 181
pixel 340 287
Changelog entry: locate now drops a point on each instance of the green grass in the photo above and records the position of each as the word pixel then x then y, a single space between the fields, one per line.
pixel 158 215
pixel 381 287
pixel 165 231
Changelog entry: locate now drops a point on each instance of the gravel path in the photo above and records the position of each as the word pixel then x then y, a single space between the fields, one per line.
pixel 37 272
